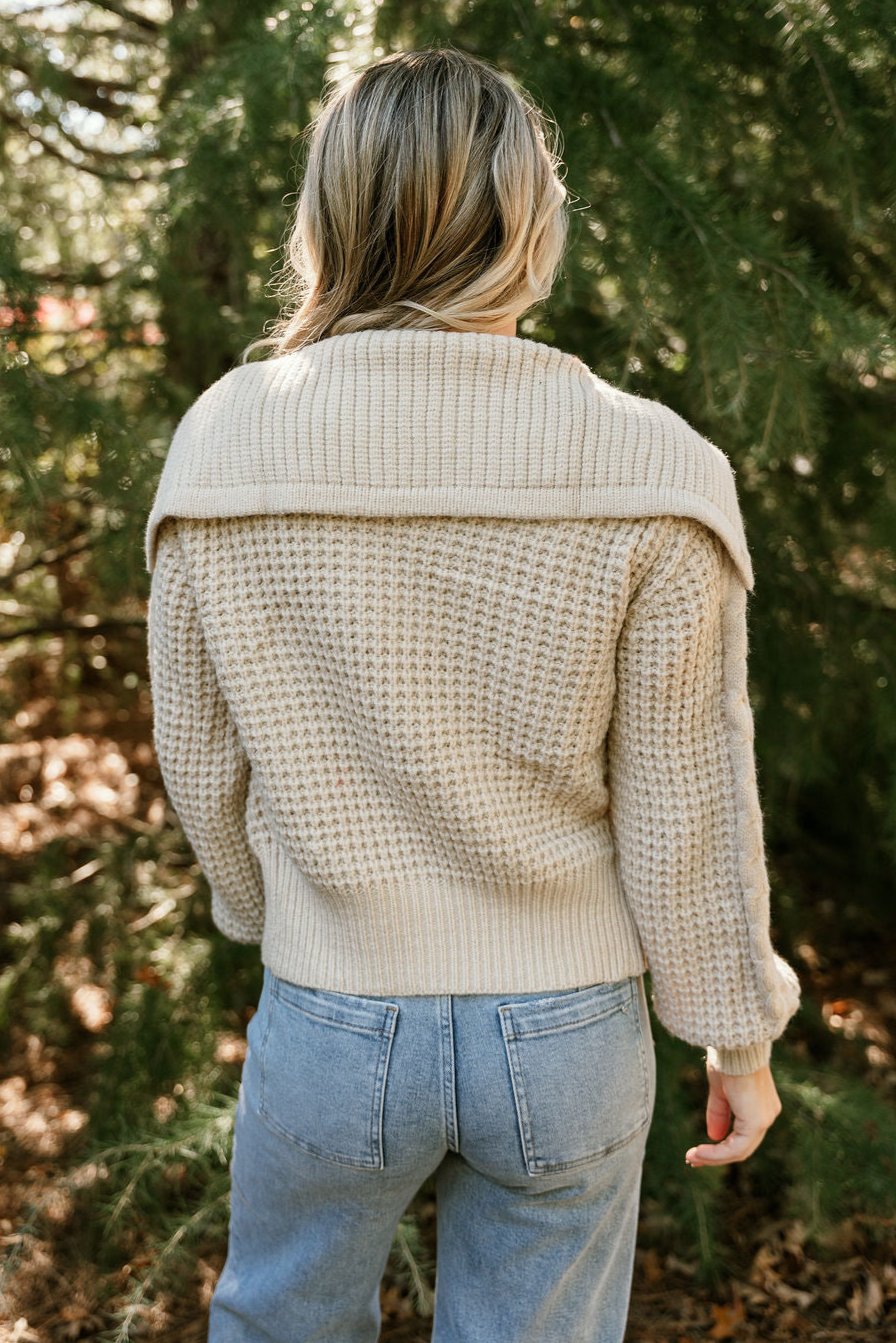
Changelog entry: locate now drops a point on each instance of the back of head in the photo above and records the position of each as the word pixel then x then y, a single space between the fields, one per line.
pixel 430 199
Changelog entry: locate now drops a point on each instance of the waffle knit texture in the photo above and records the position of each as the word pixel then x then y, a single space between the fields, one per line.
pixel 448 656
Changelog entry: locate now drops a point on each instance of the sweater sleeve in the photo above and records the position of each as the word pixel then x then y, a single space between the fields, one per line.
pixel 204 766
pixel 685 809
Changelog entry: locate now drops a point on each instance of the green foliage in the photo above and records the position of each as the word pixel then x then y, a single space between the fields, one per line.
pixel 841 1150
pixel 411 1264
pixel 150 1180
pixel 172 1178
pixel 732 190
pixel 828 1158
pixel 149 1175
pixel 684 1211
pixel 734 256
pixel 732 253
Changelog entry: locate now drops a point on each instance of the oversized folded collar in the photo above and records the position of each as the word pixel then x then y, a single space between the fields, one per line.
pixel 408 421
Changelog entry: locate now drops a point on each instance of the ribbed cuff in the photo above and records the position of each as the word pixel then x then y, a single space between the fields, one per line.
pixel 739 1061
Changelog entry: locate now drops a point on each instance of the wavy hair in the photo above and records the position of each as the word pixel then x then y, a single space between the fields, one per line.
pixel 431 199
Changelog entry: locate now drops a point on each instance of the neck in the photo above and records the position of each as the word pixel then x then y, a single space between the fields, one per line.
pixel 507 328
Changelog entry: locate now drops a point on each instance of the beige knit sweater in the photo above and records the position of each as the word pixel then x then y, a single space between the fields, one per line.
pixel 448 655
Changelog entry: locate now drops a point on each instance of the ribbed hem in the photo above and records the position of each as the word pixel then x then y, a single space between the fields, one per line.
pixel 739 1061
pixel 434 939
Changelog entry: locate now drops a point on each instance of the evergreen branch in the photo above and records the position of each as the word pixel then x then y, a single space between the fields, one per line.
pixel 129 15
pixel 652 177
pixel 195 1135
pixel 202 1117
pixel 52 556
pixel 86 625
pixel 66 84
pixel 94 169
pixel 424 1299
pixel 111 155
pixel 648 172
pixel 92 276
pixel 203 1213
pixel 137 1299
pixel 832 101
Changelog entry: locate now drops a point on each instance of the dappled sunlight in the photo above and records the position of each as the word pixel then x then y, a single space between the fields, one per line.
pixel 230 1048
pixel 38 1116
pixel 92 1006
pixel 871 1018
pixel 60 786
pixel 862 570
pixel 731 254
pixel 861 1019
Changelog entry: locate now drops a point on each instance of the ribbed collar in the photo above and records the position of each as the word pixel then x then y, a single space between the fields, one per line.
pixel 477 348
pixel 407 421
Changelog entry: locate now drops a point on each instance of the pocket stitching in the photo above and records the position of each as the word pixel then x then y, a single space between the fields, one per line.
pixel 261 1057
pixel 559 1027
pixel 535 1165
pixel 379 1095
pixel 335 1020
pixel 519 1096
pixel 560 1005
pixel 375 1131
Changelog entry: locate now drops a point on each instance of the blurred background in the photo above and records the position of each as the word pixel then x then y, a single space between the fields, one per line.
pixel 733 254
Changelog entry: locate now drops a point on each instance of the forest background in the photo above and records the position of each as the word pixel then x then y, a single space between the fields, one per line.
pixel 732 243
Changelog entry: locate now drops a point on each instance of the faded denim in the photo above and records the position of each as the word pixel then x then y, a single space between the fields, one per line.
pixel 532 1109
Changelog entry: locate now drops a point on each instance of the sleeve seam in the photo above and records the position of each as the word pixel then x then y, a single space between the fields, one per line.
pixel 752 881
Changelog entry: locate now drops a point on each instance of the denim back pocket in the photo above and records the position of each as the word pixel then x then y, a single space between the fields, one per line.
pixel 582 1081
pixel 323 1064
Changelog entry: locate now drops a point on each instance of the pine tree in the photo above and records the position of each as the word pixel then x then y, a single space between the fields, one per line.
pixel 731 186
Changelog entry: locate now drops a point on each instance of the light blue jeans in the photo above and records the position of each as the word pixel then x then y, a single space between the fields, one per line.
pixel 533 1110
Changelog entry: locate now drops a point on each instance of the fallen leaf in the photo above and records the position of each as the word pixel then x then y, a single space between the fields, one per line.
pixel 728 1317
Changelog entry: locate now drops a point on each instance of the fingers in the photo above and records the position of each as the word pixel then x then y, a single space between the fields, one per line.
pixel 718 1114
pixel 736 1147
pixel 751 1100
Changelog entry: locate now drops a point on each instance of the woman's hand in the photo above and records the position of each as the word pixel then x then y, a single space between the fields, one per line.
pixel 755 1105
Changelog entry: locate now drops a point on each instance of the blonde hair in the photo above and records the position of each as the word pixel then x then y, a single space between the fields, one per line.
pixel 431 199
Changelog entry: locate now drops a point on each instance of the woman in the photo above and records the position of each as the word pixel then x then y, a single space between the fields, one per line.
pixel 447 641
